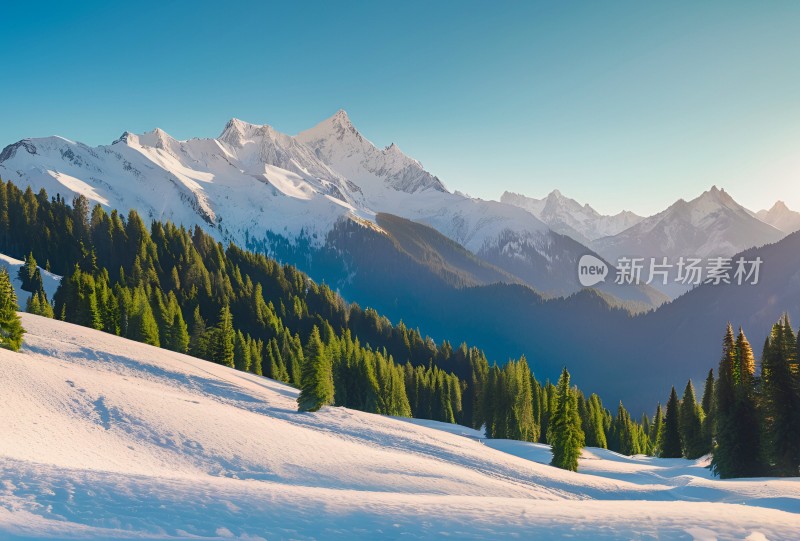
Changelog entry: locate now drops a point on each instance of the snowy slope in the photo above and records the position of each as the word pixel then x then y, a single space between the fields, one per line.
pixel 781 216
pixel 106 438
pixel 49 280
pixel 568 217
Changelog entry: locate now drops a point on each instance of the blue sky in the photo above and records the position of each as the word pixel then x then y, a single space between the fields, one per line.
pixel 620 104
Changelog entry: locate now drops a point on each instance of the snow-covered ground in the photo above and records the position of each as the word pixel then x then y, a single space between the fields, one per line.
pixel 49 280
pixel 104 438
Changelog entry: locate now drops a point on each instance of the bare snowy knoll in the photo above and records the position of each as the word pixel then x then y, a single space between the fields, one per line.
pixel 105 438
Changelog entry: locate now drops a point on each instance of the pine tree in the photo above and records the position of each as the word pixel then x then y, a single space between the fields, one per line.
pixel 670 444
pixel 691 424
pixel 11 330
pixel 30 276
pixel 628 442
pixel 256 354
pixel 736 453
pixel 39 305
pixel 225 338
pixel 708 409
pixel 565 434
pixel 317 377
pixel 142 325
pixel 657 430
pixel 198 340
pixel 747 425
pixel 781 402
pixel 179 331
pixel 241 353
pixel 523 403
pixel 595 433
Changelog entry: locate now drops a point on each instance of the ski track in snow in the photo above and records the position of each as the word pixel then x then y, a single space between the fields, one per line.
pixel 104 438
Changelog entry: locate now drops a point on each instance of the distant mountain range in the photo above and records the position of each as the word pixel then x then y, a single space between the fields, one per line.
pixel 258 187
pixel 711 225
pixel 568 217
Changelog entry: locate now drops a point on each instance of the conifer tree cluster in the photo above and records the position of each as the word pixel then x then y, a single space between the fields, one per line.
pixel 30 278
pixel 181 290
pixel 749 421
pixel 11 330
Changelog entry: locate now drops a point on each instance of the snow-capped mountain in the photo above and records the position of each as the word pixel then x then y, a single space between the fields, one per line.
pixel 711 225
pixel 253 182
pixel 568 217
pixel 781 216
pixel 338 143
pixel 231 185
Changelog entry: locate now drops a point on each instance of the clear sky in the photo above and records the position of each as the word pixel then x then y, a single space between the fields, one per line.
pixel 620 104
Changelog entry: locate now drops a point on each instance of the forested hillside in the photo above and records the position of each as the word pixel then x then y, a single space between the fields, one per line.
pixel 182 291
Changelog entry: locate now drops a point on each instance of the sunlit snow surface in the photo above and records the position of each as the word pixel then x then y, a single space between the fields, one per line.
pixel 103 438
pixel 50 281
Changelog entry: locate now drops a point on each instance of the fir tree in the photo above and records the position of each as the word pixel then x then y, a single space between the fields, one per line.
pixel 708 409
pixel 657 430
pixel 29 275
pixel 225 338
pixel 179 331
pixel 781 401
pixel 39 305
pixel 670 444
pixel 736 453
pixel 691 424
pixel 256 355
pixel 748 430
pixel 241 353
pixel 317 377
pixel 626 435
pixel 595 433
pixel 142 325
pixel 11 330
pixel 198 340
pixel 565 434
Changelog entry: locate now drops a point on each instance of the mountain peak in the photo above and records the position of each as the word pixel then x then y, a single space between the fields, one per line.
pixel 233 127
pixel 237 131
pixel 338 127
pixel 156 138
pixel 342 117
pixel 781 216
pixel 718 195
pixel 126 138
pixel 393 149
pixel 779 206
